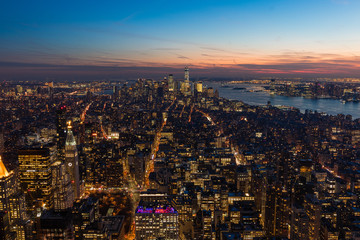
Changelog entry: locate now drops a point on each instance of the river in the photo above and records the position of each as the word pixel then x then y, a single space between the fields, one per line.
pixel 328 106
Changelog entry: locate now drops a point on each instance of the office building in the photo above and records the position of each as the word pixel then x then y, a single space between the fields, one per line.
pixel 61 126
pixel 63 193
pixel 12 201
pixel 277 211
pixel 312 208
pixel 199 87
pixel 17 215
pixel 35 173
pixel 8 186
pixel 55 225
pixel 72 161
pixel 171 83
pixel 185 87
pixel 155 221
pixel 85 213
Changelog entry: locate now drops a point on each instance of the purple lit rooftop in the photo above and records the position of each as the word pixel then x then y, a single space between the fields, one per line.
pixel 157 209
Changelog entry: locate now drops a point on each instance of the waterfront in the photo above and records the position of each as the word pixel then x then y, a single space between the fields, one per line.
pixel 329 106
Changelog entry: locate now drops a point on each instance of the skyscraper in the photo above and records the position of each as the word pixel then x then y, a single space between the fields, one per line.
pixel 61 126
pixel 199 87
pixel 185 85
pixel 277 211
pixel 156 221
pixel 72 160
pixel 17 215
pixel 35 173
pixel 187 76
pixel 171 83
pixel 63 191
pixel 312 208
pixel 7 186
pixel 116 92
pixel 12 202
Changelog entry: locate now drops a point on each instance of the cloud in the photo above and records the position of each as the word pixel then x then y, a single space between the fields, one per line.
pixel 96 71
pixel 167 49
pixel 36 71
pixel 220 50
pixel 183 57
pixel 216 63
pixel 213 49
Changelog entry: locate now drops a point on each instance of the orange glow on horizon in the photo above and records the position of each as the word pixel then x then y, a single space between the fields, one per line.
pixel 219 64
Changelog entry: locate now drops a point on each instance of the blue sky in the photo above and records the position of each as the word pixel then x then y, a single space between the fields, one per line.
pixel 315 37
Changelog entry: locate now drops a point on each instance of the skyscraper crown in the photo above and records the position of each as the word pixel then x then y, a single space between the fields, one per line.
pixel 70 140
pixel 3 171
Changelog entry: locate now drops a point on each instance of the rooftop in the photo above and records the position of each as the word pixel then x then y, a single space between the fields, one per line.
pixel 155 209
pixel 3 171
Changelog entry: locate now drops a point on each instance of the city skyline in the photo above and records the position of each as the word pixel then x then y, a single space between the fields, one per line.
pixel 176 159
pixel 201 120
pixel 234 39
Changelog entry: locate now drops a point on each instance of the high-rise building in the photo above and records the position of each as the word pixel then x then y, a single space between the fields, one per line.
pixel 17 215
pixel 199 87
pixel 156 221
pixel 55 225
pixel 328 231
pixel 85 213
pixel 19 89
pixel 72 161
pixel 111 227
pixel 277 211
pixel 185 85
pixel 7 187
pixel 210 92
pixel 12 202
pixel 114 170
pixel 63 191
pixel 116 92
pixel 312 208
pixel 152 195
pixel 61 126
pixel 186 75
pixel 299 224
pixel 35 173
pixel 203 228
pixel 171 83
pixel 243 179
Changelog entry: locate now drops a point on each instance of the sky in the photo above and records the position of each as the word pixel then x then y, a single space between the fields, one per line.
pixel 130 39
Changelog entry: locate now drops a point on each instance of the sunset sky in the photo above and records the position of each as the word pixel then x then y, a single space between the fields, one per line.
pixel 130 39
